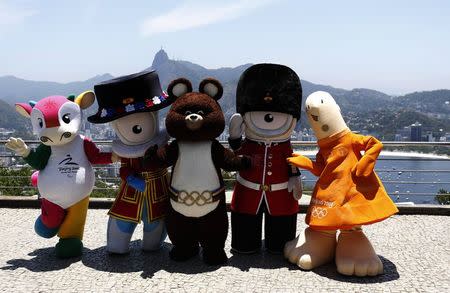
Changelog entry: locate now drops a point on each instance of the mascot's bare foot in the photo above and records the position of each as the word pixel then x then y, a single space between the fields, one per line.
pixel 311 248
pixel 356 256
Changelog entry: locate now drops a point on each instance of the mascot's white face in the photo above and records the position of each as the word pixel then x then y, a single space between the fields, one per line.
pixel 137 128
pixel 56 119
pixel 324 115
pixel 268 126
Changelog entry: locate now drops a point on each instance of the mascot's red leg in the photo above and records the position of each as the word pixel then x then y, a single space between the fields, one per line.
pixel 51 218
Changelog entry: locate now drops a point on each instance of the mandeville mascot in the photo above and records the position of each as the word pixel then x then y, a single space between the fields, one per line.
pixel 347 195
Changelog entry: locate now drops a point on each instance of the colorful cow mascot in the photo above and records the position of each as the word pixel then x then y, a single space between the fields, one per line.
pixel 64 160
pixel 268 100
pixel 131 104
pixel 347 194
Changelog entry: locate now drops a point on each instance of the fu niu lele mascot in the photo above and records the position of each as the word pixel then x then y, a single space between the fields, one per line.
pixel 268 100
pixel 64 160
pixel 347 194
pixel 131 103
pixel 197 193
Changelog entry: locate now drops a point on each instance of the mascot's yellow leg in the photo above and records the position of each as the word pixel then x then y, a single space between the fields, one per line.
pixel 73 225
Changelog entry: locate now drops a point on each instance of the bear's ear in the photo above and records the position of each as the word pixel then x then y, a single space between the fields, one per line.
pixel 85 99
pixel 211 87
pixel 179 87
pixel 24 109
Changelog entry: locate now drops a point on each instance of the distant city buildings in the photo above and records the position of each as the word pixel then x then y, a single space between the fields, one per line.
pixel 415 132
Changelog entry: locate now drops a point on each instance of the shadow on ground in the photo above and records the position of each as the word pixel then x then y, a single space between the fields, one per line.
pixel 149 263
pixel 43 260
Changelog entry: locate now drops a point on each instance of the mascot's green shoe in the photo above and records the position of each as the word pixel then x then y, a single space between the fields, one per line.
pixel 69 247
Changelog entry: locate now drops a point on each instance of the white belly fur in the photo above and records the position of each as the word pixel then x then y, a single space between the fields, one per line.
pixel 194 171
pixel 66 181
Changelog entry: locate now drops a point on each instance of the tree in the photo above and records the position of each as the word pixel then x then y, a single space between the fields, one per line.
pixel 443 196
pixel 16 182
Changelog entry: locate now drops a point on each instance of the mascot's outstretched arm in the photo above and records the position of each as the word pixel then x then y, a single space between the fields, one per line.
pixel 315 167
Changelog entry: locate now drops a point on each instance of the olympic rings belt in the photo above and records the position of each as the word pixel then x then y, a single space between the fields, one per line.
pixel 195 197
pixel 264 187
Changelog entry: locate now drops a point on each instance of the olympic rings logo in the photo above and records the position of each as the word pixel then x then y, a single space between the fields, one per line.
pixel 195 197
pixel 319 213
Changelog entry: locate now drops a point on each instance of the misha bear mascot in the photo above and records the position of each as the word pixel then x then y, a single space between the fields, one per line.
pixel 268 101
pixel 131 103
pixel 197 193
pixel 348 194
pixel 64 160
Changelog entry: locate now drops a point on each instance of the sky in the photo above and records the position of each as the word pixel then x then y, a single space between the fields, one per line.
pixel 392 46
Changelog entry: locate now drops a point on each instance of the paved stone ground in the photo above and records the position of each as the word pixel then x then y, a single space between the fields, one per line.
pixel 415 251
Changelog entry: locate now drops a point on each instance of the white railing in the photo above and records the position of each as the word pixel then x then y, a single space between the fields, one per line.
pixel 407 178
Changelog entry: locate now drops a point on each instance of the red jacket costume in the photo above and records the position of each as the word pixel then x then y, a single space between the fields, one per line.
pixel 268 177
pixel 129 202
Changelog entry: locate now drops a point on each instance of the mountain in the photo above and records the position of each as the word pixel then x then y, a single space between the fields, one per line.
pixel 358 105
pixel 10 119
pixel 13 89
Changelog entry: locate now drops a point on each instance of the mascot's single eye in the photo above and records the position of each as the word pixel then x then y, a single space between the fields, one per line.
pixel 187 113
pixel 41 123
pixel 66 118
pixel 268 118
pixel 201 113
pixel 321 101
pixel 137 129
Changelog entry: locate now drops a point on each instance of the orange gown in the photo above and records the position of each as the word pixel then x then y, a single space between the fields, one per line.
pixel 348 193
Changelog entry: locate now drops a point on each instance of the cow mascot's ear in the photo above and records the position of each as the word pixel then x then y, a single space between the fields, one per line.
pixel 85 99
pixel 178 88
pixel 212 87
pixel 25 109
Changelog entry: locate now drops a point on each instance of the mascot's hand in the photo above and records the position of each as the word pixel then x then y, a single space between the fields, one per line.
pixel 237 126
pixel 299 161
pixel 295 185
pixel 364 167
pixel 18 146
pixel 136 182
pixel 114 157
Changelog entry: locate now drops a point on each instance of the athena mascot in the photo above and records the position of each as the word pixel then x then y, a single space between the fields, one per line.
pixel 268 101
pixel 131 103
pixel 64 160
pixel 347 195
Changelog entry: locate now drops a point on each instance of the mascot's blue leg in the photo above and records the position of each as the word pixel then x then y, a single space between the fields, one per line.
pixel 119 235
pixel 154 233
pixel 43 230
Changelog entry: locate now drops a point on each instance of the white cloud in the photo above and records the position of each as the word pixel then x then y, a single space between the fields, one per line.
pixel 11 15
pixel 193 14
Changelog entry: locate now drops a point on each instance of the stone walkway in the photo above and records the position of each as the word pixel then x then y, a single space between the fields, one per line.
pixel 415 251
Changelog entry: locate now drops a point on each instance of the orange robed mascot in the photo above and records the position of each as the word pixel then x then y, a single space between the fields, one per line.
pixel 347 194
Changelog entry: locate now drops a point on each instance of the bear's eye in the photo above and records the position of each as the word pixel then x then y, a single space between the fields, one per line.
pixel 268 118
pixel 201 113
pixel 137 129
pixel 40 122
pixel 187 113
pixel 66 118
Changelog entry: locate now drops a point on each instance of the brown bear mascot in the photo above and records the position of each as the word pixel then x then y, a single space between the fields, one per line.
pixel 197 212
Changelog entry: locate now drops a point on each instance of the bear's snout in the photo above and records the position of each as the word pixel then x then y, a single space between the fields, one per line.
pixel 194 121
